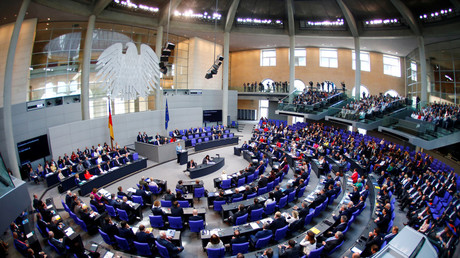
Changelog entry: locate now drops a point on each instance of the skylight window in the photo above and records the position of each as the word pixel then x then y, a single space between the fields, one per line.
pixel 326 23
pixel 437 15
pixel 134 6
pixel 258 22
pixel 382 22
pixel 203 16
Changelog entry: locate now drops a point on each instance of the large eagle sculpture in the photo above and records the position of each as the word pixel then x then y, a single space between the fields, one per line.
pixel 130 75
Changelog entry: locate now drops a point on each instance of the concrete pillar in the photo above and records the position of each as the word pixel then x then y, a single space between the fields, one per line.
pixel 358 69
pixel 291 67
pixel 225 78
pixel 10 157
pixel 158 47
pixel 421 50
pixel 85 71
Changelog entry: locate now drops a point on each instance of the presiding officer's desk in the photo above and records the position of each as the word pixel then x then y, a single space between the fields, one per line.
pixel 114 174
pixel 205 169
pixel 216 143
pixel 158 153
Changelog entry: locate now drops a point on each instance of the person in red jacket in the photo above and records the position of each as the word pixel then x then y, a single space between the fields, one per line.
pixel 355 176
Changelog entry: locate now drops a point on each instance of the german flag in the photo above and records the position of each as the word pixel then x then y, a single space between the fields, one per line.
pixel 110 123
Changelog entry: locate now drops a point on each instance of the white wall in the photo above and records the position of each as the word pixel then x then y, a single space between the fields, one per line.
pixel 22 59
pixel 68 137
pixel 201 58
pixel 208 100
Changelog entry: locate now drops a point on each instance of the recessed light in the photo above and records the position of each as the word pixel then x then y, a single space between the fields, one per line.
pixel 49 19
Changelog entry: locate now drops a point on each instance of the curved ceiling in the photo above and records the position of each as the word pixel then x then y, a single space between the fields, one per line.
pixel 398 39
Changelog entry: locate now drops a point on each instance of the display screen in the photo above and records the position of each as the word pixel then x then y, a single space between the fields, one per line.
pixel 212 115
pixel 33 149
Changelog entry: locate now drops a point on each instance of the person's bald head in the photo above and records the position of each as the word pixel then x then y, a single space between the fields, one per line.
pixel 195 212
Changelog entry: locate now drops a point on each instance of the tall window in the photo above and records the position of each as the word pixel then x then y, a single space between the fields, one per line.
pixel 413 71
pixel 299 85
pixel 297 119
pixel 300 57
pixel 365 61
pixel 263 105
pixel 392 93
pixel 268 57
pixel 391 65
pixel 328 58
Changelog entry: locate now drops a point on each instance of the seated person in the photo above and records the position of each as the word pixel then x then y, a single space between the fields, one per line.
pixel 375 238
pixel 206 160
pixel 110 228
pixel 290 250
pixel 144 236
pixel 156 209
pixel 120 192
pixel 87 175
pixel 332 242
pixel 58 243
pixel 180 186
pixel 86 216
pixel 191 164
pixel 278 222
pixel 255 206
pixel 166 242
pixel 100 208
pixel 318 200
pixel 214 242
pixel 176 210
pixel 236 195
pixel 265 232
pixel 241 212
pixel 169 196
pixel 221 197
pixel 126 207
pixel 126 232
pixel 341 227
pixel 195 216
pixel 237 238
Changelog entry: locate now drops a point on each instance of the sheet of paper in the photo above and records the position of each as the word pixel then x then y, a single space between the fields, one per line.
pixel 30 234
pixel 254 225
pixel 355 250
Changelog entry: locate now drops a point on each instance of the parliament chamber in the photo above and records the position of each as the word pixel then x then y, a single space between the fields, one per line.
pixel 256 128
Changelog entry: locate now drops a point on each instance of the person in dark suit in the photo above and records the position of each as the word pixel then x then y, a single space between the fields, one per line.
pixel 56 227
pixel 278 222
pixel 181 187
pixel 172 249
pixel 191 164
pixel 120 192
pixel 375 238
pixel 113 201
pixel 68 199
pixel 144 236
pixel 237 238
pixel 221 197
pixel 58 243
pixel 195 216
pixel 110 228
pixel 303 211
pixel 334 229
pixel 126 232
pixel 290 250
pixel 329 181
pixel 176 210
pixel 332 242
pixel 241 212
pixel 354 196
pixel 126 207
pixel 249 190
pixel 330 191
pixel 169 196
pixel 100 208
pixel 261 234
pixel 255 206
pixel 146 198
pixel 87 163
pixel 278 193
pixel 236 195
pixel 156 209
pixel 90 223
pixel 383 221
pixel 263 181
pixel 318 200
pixel 289 189
pixel 139 137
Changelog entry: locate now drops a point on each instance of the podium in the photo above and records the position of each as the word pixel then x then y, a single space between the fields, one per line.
pixel 183 157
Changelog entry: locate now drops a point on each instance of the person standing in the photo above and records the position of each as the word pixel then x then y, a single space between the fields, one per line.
pixel 178 151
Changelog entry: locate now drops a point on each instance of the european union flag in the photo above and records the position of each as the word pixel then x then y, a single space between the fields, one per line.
pixel 166 115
